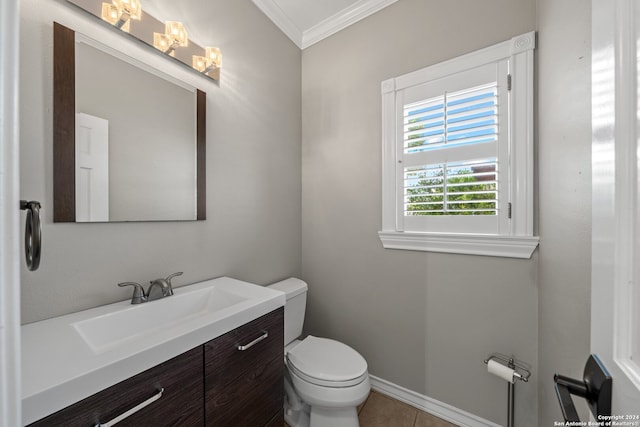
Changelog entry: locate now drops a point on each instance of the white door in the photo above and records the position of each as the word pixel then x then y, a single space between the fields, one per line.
pixel 615 296
pixel 92 168
pixel 10 242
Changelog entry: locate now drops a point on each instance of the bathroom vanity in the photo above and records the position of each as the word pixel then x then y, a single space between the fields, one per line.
pixel 231 375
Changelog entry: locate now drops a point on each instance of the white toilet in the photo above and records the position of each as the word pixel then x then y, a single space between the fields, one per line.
pixel 325 380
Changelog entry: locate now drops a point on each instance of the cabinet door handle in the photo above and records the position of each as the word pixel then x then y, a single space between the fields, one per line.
pixel 254 342
pixel 132 411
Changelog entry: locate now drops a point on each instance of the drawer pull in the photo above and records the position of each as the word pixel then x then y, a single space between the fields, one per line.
pixel 254 342
pixel 132 410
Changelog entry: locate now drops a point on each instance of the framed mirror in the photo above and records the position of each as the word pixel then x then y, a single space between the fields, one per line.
pixel 129 141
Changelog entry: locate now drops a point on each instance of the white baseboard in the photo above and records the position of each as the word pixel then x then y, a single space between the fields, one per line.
pixel 427 404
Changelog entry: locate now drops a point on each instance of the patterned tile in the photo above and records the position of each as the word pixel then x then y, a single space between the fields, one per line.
pixel 428 420
pixel 382 411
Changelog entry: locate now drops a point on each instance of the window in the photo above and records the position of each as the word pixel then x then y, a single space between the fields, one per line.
pixel 458 154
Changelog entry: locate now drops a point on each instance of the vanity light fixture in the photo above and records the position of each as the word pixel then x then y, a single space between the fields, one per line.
pixel 208 63
pixel 120 12
pixel 174 36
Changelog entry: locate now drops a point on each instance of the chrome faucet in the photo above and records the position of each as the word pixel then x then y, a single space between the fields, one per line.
pixel 164 285
pixel 139 294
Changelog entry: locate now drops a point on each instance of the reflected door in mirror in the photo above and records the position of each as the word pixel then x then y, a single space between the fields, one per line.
pixel 92 168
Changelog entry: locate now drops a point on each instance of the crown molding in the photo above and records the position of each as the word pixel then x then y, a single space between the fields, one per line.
pixel 342 20
pixel 325 28
pixel 282 21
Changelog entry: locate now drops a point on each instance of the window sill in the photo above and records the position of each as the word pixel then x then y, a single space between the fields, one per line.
pixel 469 244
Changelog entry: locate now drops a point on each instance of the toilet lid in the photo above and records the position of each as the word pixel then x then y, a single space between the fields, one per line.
pixel 327 362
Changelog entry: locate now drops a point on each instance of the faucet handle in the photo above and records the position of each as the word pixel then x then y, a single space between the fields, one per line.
pixel 138 292
pixel 171 276
pixel 168 280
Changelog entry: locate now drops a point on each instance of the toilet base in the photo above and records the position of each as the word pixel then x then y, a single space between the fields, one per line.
pixel 297 418
pixel 334 417
pixel 297 413
pixel 316 416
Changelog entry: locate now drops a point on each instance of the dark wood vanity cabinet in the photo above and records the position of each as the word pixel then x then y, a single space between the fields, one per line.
pixel 243 374
pixel 180 405
pixel 215 384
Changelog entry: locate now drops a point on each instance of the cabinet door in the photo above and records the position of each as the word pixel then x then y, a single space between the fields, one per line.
pixel 181 403
pixel 245 387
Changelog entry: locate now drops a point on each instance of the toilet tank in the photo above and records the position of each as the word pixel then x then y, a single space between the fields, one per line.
pixel 296 294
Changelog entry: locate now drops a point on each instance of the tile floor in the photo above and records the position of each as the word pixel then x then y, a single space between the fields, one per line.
pixel 382 411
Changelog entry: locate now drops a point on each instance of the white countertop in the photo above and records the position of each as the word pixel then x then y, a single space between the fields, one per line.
pixel 59 368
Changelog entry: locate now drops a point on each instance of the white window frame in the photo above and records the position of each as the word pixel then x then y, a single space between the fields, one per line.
pixel 516 239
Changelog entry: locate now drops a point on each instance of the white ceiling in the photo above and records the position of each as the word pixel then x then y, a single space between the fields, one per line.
pixel 307 22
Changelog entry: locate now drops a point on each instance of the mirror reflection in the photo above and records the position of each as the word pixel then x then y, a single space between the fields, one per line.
pixel 135 154
pixel 135 142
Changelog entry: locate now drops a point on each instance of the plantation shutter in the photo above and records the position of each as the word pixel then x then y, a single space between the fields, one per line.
pixel 457 154
pixel 451 166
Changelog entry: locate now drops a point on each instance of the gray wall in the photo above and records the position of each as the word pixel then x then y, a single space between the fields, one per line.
pixel 252 231
pixel 424 321
pixel 564 169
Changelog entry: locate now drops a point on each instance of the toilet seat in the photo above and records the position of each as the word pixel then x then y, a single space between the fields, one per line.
pixel 326 362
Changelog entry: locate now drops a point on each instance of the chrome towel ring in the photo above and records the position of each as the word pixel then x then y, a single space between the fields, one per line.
pixel 32 234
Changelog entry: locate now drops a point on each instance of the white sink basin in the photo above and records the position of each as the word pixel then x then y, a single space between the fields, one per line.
pixel 186 307
pixel 70 357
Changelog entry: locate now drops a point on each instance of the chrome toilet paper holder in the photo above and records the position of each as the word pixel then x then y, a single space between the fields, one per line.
pixel 520 372
pixel 595 387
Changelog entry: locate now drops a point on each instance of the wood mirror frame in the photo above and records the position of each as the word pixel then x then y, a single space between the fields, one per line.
pixel 64 129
